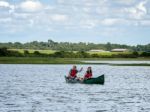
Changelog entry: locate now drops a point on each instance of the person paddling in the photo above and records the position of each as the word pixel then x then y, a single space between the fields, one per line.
pixel 88 73
pixel 73 72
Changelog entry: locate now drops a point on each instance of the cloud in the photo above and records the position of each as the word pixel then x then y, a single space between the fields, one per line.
pixel 88 24
pixel 109 21
pixel 59 17
pixel 6 5
pixel 145 22
pixel 111 32
pixel 86 9
pixel 5 20
pixel 115 22
pixel 125 2
pixel 31 6
pixel 138 11
pixel 73 14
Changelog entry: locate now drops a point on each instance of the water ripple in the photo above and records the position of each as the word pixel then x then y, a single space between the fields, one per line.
pixel 42 88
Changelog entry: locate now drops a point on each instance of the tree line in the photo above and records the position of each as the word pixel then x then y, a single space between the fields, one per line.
pixel 67 46
pixel 4 52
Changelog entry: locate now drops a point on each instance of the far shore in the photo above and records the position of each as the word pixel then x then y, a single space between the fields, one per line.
pixel 46 60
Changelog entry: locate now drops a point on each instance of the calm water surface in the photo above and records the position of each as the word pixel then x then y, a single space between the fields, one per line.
pixel 42 88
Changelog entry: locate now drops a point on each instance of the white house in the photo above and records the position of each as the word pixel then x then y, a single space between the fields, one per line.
pixel 119 50
pixel 97 50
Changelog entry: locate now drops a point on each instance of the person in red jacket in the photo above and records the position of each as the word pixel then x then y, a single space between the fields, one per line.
pixel 73 72
pixel 88 73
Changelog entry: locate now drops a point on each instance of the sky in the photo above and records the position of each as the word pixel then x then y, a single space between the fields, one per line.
pixel 98 21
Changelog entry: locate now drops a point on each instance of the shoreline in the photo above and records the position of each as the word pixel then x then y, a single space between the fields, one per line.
pixel 46 60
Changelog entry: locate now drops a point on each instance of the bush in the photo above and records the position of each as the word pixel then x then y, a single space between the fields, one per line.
pixel 36 52
pixel 26 53
pixel 95 56
pixel 3 51
pixel 82 54
pixel 124 56
pixel 135 53
pixel 59 54
pixel 145 54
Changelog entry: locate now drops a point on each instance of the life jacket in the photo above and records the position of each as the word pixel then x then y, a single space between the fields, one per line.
pixel 73 73
pixel 88 75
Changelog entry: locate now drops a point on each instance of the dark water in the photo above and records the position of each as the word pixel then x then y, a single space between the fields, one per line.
pixel 42 88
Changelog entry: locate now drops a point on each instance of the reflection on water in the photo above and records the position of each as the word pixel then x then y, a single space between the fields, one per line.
pixel 42 88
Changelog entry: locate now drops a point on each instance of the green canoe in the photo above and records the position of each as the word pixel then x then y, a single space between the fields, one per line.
pixel 97 80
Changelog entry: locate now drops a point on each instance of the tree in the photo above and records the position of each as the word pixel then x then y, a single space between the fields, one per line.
pixel 17 45
pixel 108 46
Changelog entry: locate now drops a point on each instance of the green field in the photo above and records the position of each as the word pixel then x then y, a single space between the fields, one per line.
pixel 33 50
pixel 109 53
pixel 53 51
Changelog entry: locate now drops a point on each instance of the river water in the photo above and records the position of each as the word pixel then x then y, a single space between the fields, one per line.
pixel 42 88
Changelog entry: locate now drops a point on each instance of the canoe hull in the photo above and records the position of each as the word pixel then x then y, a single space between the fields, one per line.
pixel 97 80
pixel 68 80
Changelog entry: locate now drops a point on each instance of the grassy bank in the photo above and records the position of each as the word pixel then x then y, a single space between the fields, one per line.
pixel 46 60
pixel 36 60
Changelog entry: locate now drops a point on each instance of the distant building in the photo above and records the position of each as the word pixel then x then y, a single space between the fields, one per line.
pixel 97 50
pixel 119 50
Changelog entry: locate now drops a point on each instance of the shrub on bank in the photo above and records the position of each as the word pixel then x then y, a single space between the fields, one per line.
pixel 145 54
pixel 5 52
